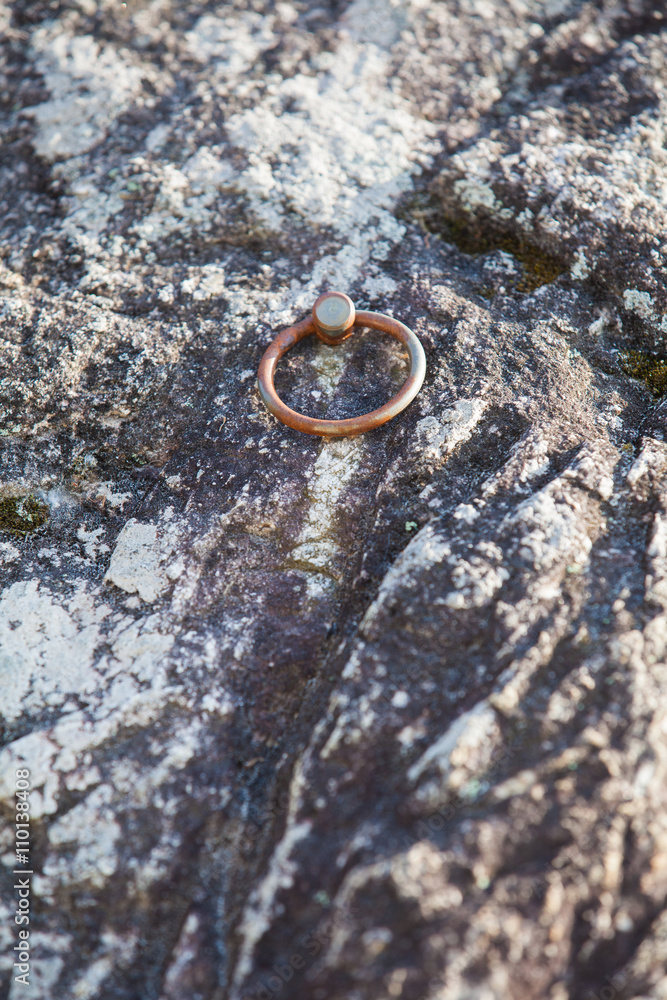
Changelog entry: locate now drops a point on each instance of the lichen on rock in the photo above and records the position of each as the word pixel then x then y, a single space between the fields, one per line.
pixel 377 717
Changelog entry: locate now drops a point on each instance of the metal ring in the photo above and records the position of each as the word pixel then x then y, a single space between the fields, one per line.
pixel 333 333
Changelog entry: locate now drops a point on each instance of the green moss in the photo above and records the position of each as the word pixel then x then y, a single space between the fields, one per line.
pixel 482 235
pixel 646 368
pixel 19 515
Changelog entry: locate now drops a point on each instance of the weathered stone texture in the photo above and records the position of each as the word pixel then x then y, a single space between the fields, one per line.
pixel 365 718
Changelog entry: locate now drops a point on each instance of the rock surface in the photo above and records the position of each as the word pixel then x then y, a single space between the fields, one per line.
pixel 365 718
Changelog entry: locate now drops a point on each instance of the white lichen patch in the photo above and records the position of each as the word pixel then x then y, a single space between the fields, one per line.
pixel 49 952
pixel 551 531
pixel 91 830
pixel 139 782
pixel 187 195
pixel 63 753
pixel 318 546
pixel 656 578
pixel 339 157
pixel 47 647
pixel 115 500
pixel 580 269
pixel 90 86
pixel 329 363
pixel 474 194
pixel 639 302
pixel 466 512
pixel 477 578
pixel 137 561
pixel 229 46
pixel 335 144
pixel 375 22
pixel 140 648
pixel 36 751
pixel 92 541
pixel 438 436
pixel 8 553
pixel 207 284
pixel 338 178
pixel 89 210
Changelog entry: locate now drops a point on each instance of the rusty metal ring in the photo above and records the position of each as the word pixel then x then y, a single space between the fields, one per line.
pixel 333 319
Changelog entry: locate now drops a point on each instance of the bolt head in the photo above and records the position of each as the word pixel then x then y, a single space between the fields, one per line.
pixel 333 314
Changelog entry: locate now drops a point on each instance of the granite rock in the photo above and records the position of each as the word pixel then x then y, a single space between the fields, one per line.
pixel 359 718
